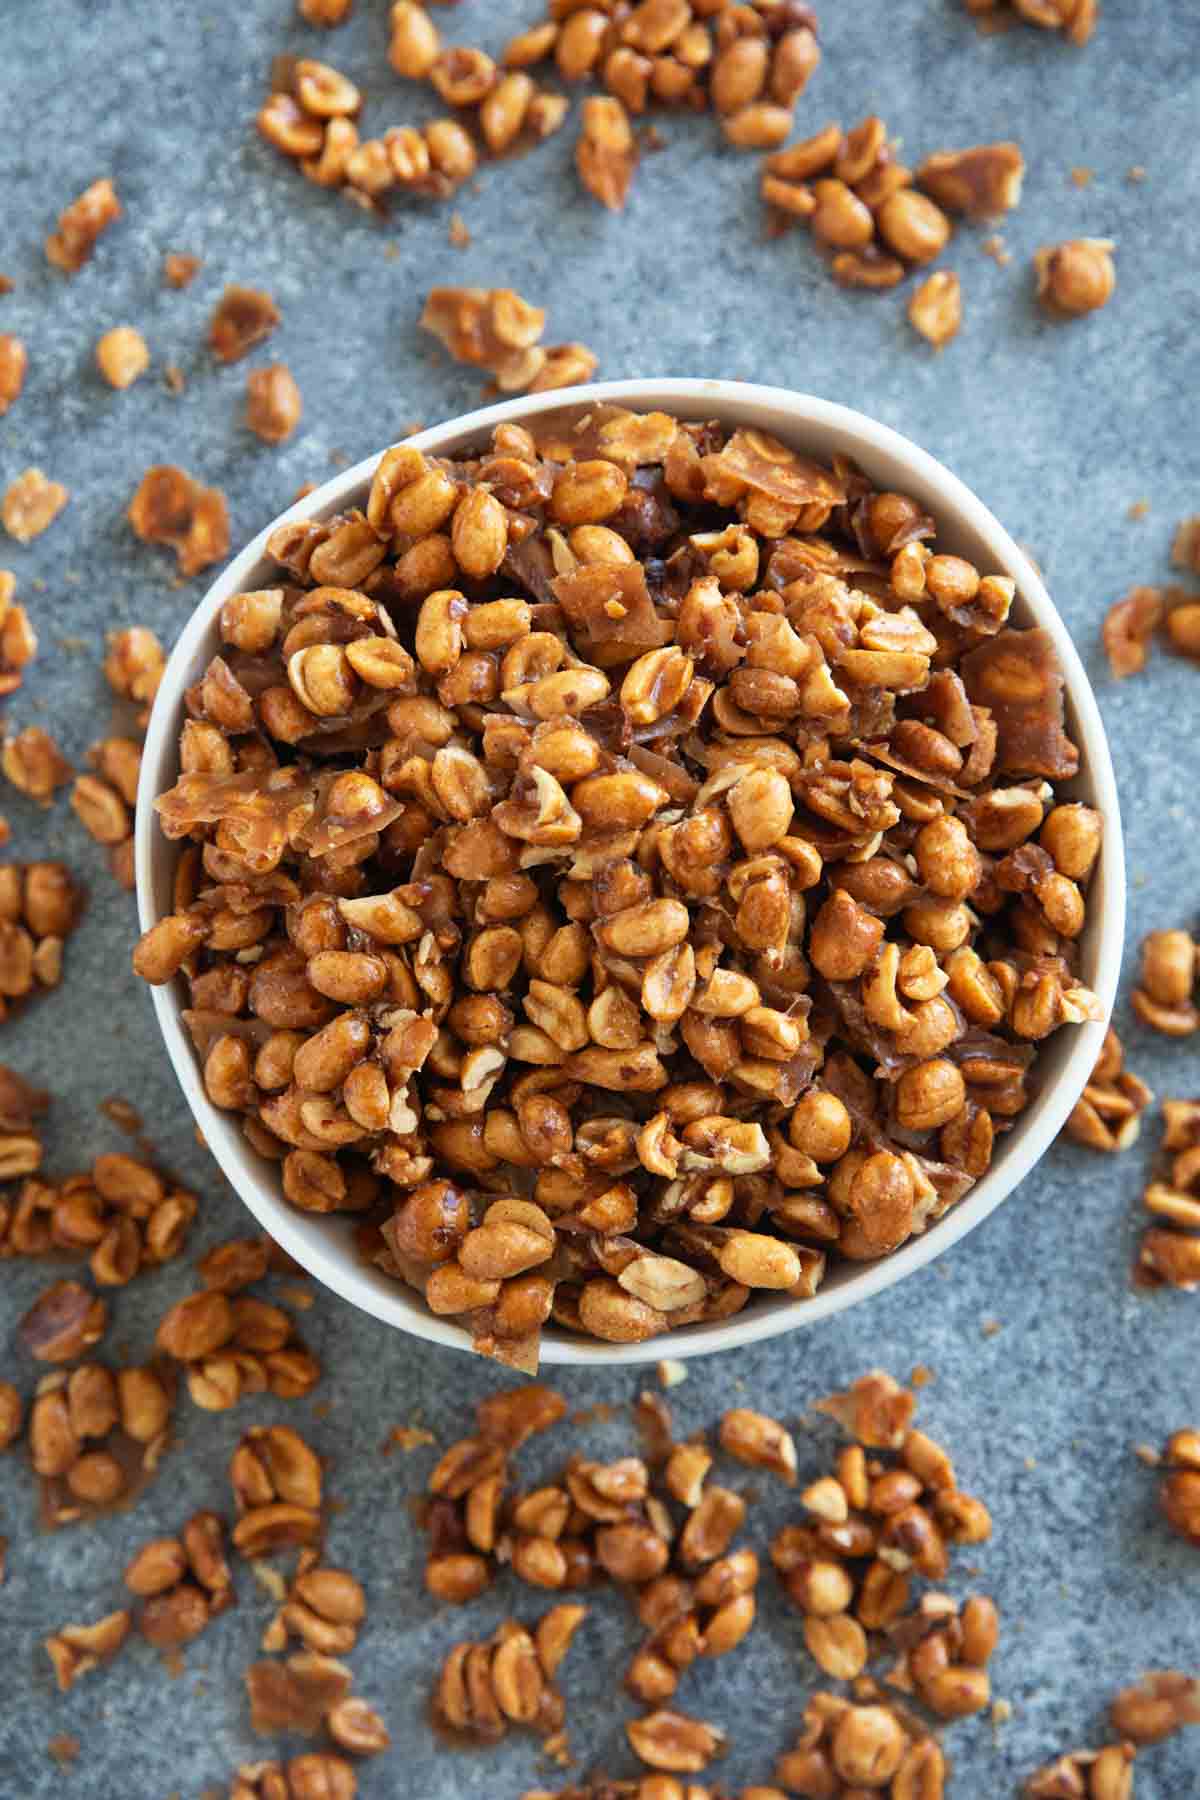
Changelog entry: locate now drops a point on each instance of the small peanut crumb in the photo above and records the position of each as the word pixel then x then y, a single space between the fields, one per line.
pixel 179 269
pixel 31 504
pixel 1147 1454
pixel 671 1372
pixel 921 1376
pixel 460 236
pixel 991 1327
pixel 409 1438
pixel 1136 173
pixel 122 355
pixel 174 379
pixel 1139 509
pixel 1082 177
pixel 995 247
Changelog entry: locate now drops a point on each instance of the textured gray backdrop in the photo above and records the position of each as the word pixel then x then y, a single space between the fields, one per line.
pixel 1060 429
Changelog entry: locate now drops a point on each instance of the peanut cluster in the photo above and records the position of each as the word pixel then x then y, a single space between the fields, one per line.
pixel 484 1688
pixel 749 62
pixel 1132 623
pixel 1170 1247
pixel 96 1436
pixel 495 329
pixel 122 1214
pixel 234 1344
pixel 1179 1497
pixel 316 1775
pixel 625 870
pixel 310 117
pixel 878 218
pixel 848 1748
pixel 1075 19
pixel 1108 1114
pixel 880 1522
pixel 184 1582
pixel 1161 1704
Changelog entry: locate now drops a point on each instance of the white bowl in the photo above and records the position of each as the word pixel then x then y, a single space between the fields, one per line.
pixel 818 427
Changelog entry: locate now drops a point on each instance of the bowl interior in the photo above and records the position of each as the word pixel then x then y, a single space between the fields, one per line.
pixel 325 1245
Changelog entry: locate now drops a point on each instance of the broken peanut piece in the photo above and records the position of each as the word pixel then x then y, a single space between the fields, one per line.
pixel 935 309
pixel 31 504
pixel 273 404
pixel 75 1650
pixel 122 355
pixel 243 317
pixel 81 224
pixel 1129 627
pixel 13 364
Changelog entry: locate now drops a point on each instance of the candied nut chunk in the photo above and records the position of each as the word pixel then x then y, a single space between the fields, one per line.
pixel 496 329
pixel 243 317
pixel 622 866
pixel 81 224
pixel 173 508
pixel 981 182
pixel 31 504
pixel 935 309
pixel 273 404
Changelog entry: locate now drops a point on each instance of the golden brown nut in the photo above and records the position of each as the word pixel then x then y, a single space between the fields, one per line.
pixel 1076 277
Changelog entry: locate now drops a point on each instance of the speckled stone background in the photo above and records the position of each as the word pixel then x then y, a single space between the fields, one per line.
pixel 1061 429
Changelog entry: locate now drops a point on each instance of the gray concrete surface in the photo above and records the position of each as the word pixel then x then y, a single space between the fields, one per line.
pixel 1059 428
